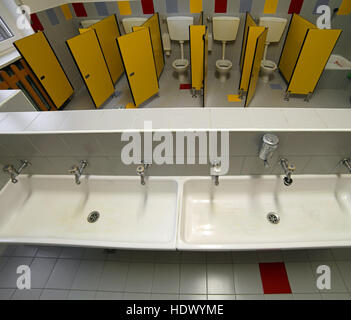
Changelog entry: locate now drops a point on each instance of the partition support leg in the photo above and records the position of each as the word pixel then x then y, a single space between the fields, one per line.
pixel 193 91
pixel 308 97
pixel 287 96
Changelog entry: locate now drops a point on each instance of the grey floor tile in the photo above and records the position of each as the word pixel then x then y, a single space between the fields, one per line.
pixel 193 257
pixel 88 275
pixel 244 257
pixel 160 296
pixel 193 297
pixel 337 284
pixel 102 295
pixel 146 256
pixel 193 279
pixel 114 276
pixel 120 255
pixel 48 252
pixel 63 275
pixel 278 297
pixel 8 250
pixel 220 279
pixel 33 294
pixel 219 257
pixel 25 251
pixel 270 256
pixel 6 294
pixel 140 276
pixel 249 297
pixel 336 296
pixel 345 270
pixel 81 295
pixel 72 253
pixel 50 294
pixel 295 256
pixel 166 278
pixel 8 274
pixel 136 296
pixel 41 269
pixel 341 254
pixel 247 279
pixel 168 257
pixel 307 296
pixel 301 277
pixel 3 261
pixel 221 297
pixel 320 255
pixel 94 254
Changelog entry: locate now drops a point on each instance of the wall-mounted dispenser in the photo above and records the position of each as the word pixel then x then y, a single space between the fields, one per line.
pixel 270 143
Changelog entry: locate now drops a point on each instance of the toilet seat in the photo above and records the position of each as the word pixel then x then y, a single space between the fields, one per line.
pixel 180 64
pixel 269 65
pixel 224 65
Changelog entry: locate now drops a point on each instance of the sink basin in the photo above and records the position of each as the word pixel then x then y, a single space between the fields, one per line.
pixel 315 211
pixel 54 210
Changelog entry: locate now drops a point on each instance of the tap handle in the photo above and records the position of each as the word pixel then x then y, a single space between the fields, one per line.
pixel 73 170
pixel 140 170
pixel 291 167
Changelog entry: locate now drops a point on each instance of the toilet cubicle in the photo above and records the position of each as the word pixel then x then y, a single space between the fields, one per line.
pixel 305 53
pixel 252 51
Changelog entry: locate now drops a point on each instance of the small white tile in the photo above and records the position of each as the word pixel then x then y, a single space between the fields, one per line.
pixel 80 121
pixel 114 276
pixel 303 119
pixel 307 296
pixel 193 297
pixel 270 256
pixel 250 297
pixel 278 297
pixel 158 296
pixel 168 257
pixel 41 269
pixel 220 279
pixel 47 121
pixel 33 294
pixel 267 118
pixel 247 279
pixel 345 270
pixel 221 297
pixel 301 277
pixel 6 294
pixel 219 257
pixel 222 118
pixel 81 295
pixel 335 118
pixel 101 295
pixel 88 275
pixel 63 275
pixel 140 276
pixel 136 296
pixel 193 257
pixel 336 296
pixel 244 257
pixel 193 279
pixel 48 252
pixel 166 278
pixel 49 294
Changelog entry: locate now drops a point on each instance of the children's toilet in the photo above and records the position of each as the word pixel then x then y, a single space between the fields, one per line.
pixel 178 28
pixel 224 29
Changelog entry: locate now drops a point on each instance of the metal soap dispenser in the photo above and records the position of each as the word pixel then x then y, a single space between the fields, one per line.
pixel 270 143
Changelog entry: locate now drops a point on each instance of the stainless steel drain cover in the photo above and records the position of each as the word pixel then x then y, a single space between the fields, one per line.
pixel 273 218
pixel 93 217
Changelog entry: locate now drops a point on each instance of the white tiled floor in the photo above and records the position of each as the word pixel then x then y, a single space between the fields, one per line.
pixel 80 273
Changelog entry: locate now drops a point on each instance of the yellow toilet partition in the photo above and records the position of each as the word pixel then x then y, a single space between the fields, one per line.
pixel 153 23
pixel 196 34
pixel 41 58
pixel 204 94
pixel 86 52
pixel 305 54
pixel 249 22
pixel 139 63
pixel 256 66
pixel 107 31
pixel 253 33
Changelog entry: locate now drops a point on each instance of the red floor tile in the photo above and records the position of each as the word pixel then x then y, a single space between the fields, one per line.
pixel 274 278
pixel 185 86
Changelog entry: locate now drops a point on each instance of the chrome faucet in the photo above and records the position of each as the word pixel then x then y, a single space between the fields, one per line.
pixel 78 170
pixel 216 168
pixel 347 163
pixel 288 171
pixel 10 169
pixel 142 172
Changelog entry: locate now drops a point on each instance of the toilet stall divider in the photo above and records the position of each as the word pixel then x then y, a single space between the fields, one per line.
pixel 305 53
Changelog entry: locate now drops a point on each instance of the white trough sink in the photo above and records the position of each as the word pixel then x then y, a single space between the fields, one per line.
pixel 315 211
pixel 54 210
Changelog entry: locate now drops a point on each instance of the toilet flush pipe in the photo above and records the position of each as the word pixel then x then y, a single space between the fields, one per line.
pixel 182 49
pixel 265 51
pixel 223 50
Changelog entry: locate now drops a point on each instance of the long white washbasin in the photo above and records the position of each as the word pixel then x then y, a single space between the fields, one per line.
pixel 315 211
pixel 54 210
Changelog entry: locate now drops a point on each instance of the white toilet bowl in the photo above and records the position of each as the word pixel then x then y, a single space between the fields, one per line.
pixel 181 67
pixel 223 67
pixel 267 69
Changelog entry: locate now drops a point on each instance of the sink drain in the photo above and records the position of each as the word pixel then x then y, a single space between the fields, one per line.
pixel 273 218
pixel 93 217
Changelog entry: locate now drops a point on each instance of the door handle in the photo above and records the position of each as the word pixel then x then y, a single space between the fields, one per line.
pixel 132 74
pixel 42 77
pixel 87 76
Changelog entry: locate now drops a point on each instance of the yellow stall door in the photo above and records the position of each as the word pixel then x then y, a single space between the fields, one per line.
pixel 139 63
pixel 256 66
pixel 87 53
pixel 107 32
pixel 205 67
pixel 39 55
pixel 197 56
